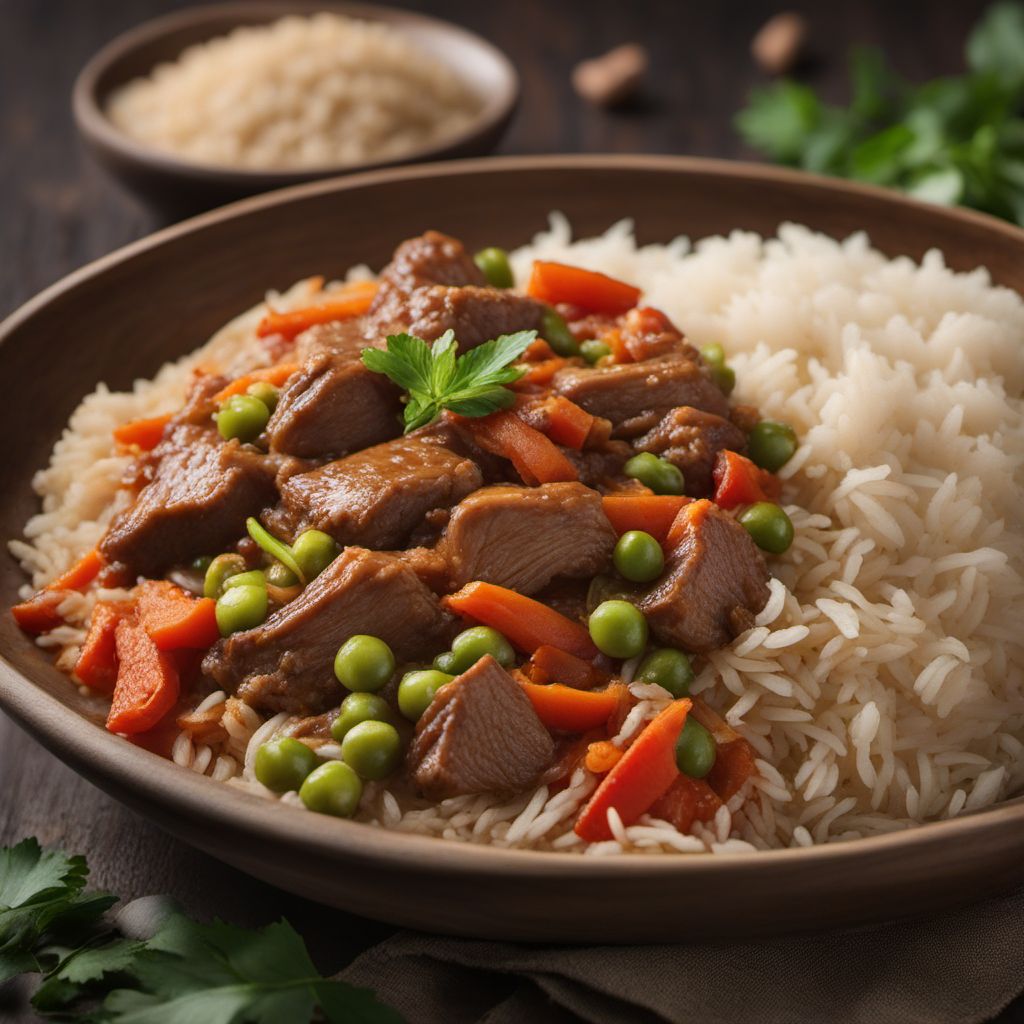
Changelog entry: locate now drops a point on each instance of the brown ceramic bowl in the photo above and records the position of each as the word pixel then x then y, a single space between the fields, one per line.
pixel 178 185
pixel 123 316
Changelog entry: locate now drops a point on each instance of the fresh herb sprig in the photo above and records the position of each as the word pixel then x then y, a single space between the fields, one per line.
pixel 436 377
pixel 168 970
pixel 954 140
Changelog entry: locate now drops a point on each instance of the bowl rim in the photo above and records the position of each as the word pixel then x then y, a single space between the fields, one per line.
pixel 151 777
pixel 95 126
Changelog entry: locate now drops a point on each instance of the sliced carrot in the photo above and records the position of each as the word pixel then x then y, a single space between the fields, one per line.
pixel 551 665
pixel 527 623
pixel 351 301
pixel 587 289
pixel 617 343
pixel 734 764
pixel 147 684
pixel 144 434
pixel 691 514
pixel 538 350
pixel 602 756
pixel 175 619
pixel 652 513
pixel 687 800
pixel 569 710
pixel 275 375
pixel 647 332
pixel 568 424
pixel 643 775
pixel 535 457
pixel 739 482
pixel 97 662
pixel 541 374
pixel 39 613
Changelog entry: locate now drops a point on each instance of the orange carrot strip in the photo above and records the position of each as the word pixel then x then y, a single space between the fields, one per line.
pixel 144 434
pixel 527 623
pixel 275 375
pixel 147 684
pixel 617 343
pixel 739 482
pixel 691 514
pixel 174 619
pixel 587 289
pixel 551 665
pixel 97 662
pixel 601 757
pixel 535 457
pixel 568 424
pixel 542 373
pixel 39 613
pixel 537 350
pixel 734 764
pixel 352 300
pixel 687 800
pixel 653 513
pixel 568 710
pixel 643 775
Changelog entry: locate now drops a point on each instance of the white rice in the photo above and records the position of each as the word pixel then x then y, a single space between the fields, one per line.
pixel 299 93
pixel 883 683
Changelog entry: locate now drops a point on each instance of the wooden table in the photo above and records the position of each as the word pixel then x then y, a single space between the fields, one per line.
pixel 58 211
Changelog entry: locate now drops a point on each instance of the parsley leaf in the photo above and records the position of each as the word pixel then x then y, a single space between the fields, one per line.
pixel 958 139
pixel 437 378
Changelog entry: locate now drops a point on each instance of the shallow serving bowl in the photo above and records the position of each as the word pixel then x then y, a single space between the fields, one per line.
pixel 177 185
pixel 121 317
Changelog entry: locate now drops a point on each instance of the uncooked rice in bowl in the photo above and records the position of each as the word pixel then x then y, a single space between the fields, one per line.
pixel 883 683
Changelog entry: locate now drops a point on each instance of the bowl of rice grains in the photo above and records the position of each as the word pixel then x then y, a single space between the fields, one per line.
pixel 214 103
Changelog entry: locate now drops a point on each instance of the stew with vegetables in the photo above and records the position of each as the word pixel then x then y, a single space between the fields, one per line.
pixel 449 535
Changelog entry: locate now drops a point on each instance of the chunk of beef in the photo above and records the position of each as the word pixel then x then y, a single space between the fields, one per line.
pixel 377 497
pixel 431 258
pixel 634 396
pixel 479 735
pixel 714 584
pixel 285 664
pixel 337 338
pixel 197 502
pixel 691 439
pixel 474 314
pixel 524 537
pixel 597 467
pixel 334 405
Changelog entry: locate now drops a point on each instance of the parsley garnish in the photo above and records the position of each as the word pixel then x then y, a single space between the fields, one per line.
pixel 954 140
pixel 170 970
pixel 436 378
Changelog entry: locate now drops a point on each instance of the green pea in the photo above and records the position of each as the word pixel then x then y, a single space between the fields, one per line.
pixel 219 571
pixel 769 526
pixel 555 331
pixel 659 474
pixel 241 608
pixel 669 668
pixel 202 563
pixel 265 392
pixel 473 643
pixel 638 557
pixel 364 663
pixel 252 578
pixel 725 378
pixel 494 265
pixel 713 354
pixel 417 689
pixel 618 629
pixel 279 575
pixel 333 788
pixel 771 445
pixel 314 550
pixel 242 417
pixel 593 350
pixel 283 764
pixel 448 662
pixel 356 708
pixel 695 750
pixel 372 749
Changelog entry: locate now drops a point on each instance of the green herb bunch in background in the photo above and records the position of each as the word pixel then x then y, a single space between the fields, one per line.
pixel 954 140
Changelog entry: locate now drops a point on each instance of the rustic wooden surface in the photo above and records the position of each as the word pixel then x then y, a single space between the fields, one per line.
pixel 58 211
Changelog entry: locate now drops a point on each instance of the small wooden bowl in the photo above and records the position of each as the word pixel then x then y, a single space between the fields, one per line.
pixel 164 295
pixel 178 185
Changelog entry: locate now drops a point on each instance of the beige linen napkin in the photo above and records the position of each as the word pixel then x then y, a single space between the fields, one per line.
pixel 956 968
